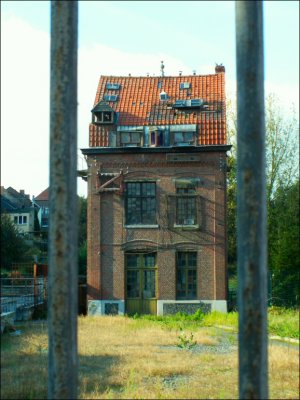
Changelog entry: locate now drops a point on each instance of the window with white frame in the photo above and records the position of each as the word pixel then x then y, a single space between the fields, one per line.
pixel 20 219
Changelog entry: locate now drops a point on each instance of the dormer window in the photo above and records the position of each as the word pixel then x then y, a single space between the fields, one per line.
pixel 192 103
pixel 102 113
pixel 183 135
pixel 103 117
pixel 184 85
pixel 163 96
pixel 184 138
pixel 130 138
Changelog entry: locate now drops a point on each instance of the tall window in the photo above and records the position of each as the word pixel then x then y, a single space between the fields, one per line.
pixel 140 203
pixel 186 206
pixel 186 280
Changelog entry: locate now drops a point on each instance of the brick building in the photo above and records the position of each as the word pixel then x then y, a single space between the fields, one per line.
pixel 157 195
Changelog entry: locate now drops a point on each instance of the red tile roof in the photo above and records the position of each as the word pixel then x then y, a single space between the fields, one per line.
pixel 43 196
pixel 139 104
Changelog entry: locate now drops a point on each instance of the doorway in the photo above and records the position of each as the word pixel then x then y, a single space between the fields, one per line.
pixel 141 283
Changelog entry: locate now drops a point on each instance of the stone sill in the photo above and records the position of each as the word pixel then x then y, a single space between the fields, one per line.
pixel 141 226
pixel 186 226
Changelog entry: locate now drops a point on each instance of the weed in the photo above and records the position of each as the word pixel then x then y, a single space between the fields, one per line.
pixel 186 342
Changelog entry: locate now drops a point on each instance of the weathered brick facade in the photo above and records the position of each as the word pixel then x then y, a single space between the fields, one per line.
pixel 111 238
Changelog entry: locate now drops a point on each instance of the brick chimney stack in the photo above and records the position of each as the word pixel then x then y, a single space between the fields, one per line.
pixel 219 68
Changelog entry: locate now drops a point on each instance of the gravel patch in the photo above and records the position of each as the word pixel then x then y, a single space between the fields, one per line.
pixel 227 344
pixel 172 382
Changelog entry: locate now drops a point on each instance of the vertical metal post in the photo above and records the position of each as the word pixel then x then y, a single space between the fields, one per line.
pixel 251 202
pixel 62 316
pixel 35 287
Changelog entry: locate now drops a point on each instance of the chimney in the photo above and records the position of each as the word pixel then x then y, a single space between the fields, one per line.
pixel 219 68
pixel 22 192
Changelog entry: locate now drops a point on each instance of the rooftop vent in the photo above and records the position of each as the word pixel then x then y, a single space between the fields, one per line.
pixel 163 96
pixel 194 103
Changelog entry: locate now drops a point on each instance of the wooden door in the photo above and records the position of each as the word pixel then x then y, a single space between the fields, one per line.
pixel 141 283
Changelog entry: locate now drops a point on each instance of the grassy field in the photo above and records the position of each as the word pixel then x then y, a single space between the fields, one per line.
pixel 281 321
pixel 139 358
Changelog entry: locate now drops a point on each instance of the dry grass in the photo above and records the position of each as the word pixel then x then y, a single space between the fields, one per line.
pixel 125 358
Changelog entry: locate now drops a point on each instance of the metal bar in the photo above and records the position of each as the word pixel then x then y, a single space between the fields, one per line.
pixel 110 181
pixel 62 310
pixel 251 202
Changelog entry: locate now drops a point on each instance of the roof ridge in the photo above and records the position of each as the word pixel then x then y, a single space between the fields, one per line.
pixel 158 77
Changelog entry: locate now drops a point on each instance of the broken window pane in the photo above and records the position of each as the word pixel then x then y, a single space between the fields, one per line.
pixel 186 277
pixel 140 203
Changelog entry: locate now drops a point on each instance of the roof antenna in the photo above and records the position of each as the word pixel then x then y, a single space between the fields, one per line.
pixel 194 72
pixel 180 73
pixel 162 69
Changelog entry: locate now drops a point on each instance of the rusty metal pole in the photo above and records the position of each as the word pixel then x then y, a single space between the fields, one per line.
pixel 251 202
pixel 62 253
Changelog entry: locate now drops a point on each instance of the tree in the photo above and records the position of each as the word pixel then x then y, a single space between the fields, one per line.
pixel 231 190
pixel 13 246
pixel 284 241
pixel 282 145
pixel 281 174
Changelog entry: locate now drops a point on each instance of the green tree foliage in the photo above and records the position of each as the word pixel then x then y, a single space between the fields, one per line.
pixel 82 235
pixel 231 191
pixel 13 246
pixel 284 241
pixel 282 147
pixel 282 181
pixel 231 214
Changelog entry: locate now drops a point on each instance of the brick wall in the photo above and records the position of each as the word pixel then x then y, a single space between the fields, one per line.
pixel 109 240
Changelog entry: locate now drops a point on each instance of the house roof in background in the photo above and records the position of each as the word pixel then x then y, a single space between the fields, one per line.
pixel 7 205
pixel 43 196
pixel 17 199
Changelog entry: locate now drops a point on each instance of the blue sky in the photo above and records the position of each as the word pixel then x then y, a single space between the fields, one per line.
pixel 118 38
